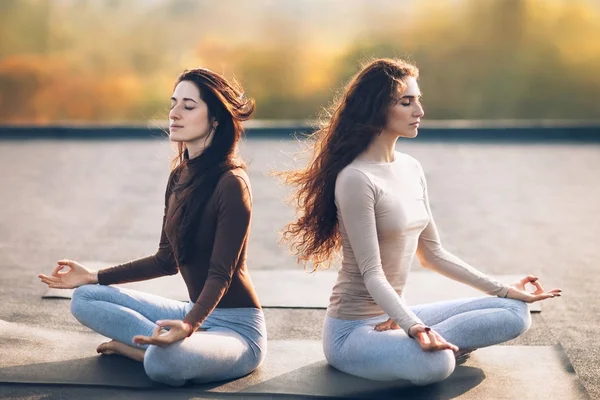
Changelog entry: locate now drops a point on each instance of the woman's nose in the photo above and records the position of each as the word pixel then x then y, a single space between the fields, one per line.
pixel 419 112
pixel 174 114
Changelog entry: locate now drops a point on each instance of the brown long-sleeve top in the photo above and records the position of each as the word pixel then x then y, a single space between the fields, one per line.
pixel 215 272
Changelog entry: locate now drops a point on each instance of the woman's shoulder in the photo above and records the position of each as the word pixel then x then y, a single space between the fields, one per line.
pixel 234 180
pixel 353 175
pixel 407 159
pixel 237 172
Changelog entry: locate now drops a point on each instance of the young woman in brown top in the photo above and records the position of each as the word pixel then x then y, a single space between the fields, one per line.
pixel 220 334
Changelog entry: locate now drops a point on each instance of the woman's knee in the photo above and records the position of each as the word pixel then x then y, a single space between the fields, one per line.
pixel 80 300
pixel 521 320
pixel 161 366
pixel 434 367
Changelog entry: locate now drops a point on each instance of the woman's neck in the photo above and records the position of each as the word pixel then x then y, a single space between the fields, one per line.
pixel 381 149
pixel 194 152
pixel 196 147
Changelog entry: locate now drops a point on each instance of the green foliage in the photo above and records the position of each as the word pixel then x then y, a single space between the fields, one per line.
pixel 116 60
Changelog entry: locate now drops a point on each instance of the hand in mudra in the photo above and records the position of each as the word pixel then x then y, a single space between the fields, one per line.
pixel 178 330
pixel 76 275
pixel 518 291
pixel 428 339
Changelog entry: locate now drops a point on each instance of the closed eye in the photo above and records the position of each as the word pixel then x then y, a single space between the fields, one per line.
pixel 185 99
pixel 408 100
pixel 187 108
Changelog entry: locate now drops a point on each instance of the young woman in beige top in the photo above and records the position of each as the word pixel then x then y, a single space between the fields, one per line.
pixel 361 195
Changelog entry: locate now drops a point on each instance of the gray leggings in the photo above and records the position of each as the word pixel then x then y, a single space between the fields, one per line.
pixel 233 344
pixel 354 347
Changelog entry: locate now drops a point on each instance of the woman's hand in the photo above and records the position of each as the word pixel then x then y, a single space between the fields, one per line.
pixel 178 330
pixel 517 291
pixel 77 275
pixel 430 340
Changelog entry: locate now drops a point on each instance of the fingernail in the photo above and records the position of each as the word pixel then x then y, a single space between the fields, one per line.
pixel 427 329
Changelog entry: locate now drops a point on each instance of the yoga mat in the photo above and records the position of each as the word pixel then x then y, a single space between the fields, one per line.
pixel 35 355
pixel 41 356
pixel 298 289
pixel 499 372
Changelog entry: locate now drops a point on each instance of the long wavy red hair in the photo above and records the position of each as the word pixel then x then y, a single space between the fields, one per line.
pixel 357 116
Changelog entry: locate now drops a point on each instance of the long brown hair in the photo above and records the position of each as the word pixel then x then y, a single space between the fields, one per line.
pixel 227 105
pixel 357 116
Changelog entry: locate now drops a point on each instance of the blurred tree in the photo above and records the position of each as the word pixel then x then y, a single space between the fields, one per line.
pixel 497 59
pixel 24 26
pixel 20 80
pixel 114 60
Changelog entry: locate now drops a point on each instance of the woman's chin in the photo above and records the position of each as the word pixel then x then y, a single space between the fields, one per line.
pixel 174 137
pixel 410 135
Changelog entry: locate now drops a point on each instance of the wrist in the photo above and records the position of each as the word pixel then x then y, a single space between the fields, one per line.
pixel 93 278
pixel 411 329
pixel 190 328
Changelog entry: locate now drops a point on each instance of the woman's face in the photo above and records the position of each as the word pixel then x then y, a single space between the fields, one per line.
pixel 405 111
pixel 188 119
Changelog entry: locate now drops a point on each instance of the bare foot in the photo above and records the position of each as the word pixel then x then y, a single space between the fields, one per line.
pixel 463 355
pixel 386 326
pixel 115 347
pixel 106 348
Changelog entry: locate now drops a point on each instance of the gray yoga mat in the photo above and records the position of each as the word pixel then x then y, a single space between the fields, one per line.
pixel 298 289
pixel 32 355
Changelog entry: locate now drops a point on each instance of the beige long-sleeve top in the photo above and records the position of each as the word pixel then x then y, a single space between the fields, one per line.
pixel 384 220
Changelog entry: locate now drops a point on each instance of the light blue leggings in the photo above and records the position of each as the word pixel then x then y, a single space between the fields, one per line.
pixel 354 347
pixel 233 344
